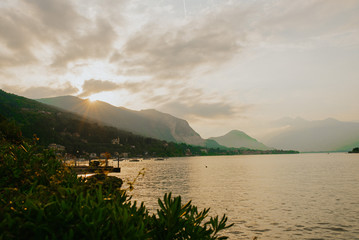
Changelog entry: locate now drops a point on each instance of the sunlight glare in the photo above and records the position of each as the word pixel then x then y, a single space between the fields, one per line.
pixel 92 98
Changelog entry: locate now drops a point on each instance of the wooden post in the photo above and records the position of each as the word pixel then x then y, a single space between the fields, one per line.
pixel 107 155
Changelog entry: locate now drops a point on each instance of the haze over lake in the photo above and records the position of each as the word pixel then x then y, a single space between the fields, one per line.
pixel 302 196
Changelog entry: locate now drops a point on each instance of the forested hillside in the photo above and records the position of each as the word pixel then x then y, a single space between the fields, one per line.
pixel 79 135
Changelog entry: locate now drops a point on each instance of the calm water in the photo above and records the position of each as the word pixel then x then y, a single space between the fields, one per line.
pixel 303 196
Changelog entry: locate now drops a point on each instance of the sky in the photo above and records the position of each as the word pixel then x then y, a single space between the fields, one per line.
pixel 219 64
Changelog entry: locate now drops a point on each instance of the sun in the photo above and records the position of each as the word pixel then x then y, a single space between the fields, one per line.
pixel 92 98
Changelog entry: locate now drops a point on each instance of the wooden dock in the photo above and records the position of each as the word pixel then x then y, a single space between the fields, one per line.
pixel 92 169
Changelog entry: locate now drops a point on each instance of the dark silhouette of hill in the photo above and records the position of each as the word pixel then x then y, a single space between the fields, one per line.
pixel 149 123
pixel 78 134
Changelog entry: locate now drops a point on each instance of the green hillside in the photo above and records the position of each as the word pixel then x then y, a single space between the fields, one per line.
pixel 147 123
pixel 239 139
pixel 79 135
pixel 82 136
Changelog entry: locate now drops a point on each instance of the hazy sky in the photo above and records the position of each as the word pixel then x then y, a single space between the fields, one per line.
pixel 219 64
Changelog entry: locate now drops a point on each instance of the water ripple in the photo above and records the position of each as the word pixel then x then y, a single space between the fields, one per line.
pixel 303 196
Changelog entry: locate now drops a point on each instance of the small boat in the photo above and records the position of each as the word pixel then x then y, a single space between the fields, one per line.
pixel 159 159
pixel 134 160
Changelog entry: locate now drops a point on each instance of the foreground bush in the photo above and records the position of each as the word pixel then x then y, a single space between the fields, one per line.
pixel 42 199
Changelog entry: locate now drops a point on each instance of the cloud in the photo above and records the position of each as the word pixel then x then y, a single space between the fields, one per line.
pixel 55 33
pixel 28 26
pixel 200 110
pixel 59 32
pixel 93 86
pixel 177 51
pixel 16 39
pixel 195 104
pixel 205 41
pixel 42 92
pixel 98 43
pixel 301 24
pixel 181 101
pixel 56 15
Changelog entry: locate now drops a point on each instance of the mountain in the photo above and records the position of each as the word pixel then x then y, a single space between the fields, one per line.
pixel 210 143
pixel 314 136
pixel 52 125
pixel 239 139
pixel 81 136
pixel 149 123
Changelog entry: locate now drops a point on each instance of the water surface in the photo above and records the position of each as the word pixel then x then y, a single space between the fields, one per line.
pixel 301 196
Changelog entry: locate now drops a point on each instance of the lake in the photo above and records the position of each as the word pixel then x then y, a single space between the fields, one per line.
pixel 300 196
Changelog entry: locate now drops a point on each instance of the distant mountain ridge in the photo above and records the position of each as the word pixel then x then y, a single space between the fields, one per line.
pixel 82 136
pixel 149 123
pixel 239 139
pixel 52 125
pixel 315 136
